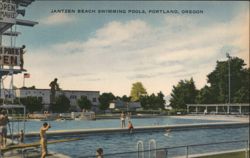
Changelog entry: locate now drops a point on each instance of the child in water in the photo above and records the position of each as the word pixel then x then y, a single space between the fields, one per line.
pixel 99 153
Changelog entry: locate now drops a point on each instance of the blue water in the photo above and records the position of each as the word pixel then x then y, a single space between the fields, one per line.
pixel 117 143
pixel 34 126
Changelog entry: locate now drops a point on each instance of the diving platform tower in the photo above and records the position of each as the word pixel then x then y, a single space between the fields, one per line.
pixel 11 56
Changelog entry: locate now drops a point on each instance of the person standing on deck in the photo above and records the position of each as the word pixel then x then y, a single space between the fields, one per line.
pixel 122 117
pixel 21 137
pixel 4 120
pixel 43 139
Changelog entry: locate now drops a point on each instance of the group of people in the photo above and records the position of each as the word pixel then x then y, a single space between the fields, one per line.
pixel 43 137
pixel 123 121
pixel 4 121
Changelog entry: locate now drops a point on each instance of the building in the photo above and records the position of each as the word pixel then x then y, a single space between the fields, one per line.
pixel 72 95
pixel 126 106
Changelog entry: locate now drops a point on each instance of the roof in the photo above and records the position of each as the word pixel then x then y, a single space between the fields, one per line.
pixel 232 104
pixel 61 90
pixel 121 104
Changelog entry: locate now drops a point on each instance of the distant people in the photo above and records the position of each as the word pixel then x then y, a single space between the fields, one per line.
pixel 53 88
pixel 99 153
pixel 167 132
pixel 205 111
pixel 122 117
pixel 21 137
pixel 4 120
pixel 130 127
pixel 43 139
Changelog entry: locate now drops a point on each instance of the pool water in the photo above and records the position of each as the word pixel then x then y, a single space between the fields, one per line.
pixel 117 143
pixel 34 126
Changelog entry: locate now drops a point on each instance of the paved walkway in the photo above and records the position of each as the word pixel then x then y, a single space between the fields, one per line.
pixel 237 118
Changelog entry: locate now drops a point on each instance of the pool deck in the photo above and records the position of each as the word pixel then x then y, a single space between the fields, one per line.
pixel 33 154
pixel 178 127
pixel 233 118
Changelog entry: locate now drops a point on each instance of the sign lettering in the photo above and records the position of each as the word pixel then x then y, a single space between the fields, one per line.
pixel 10 56
pixel 7 11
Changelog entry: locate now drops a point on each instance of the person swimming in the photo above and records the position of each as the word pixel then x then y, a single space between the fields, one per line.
pixel 167 132
pixel 99 153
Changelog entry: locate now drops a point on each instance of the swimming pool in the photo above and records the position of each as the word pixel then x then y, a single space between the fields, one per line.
pixel 34 126
pixel 123 142
pixel 117 143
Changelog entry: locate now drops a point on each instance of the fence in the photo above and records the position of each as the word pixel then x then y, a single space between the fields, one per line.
pixel 186 151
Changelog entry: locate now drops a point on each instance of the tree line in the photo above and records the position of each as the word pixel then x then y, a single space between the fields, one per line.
pixel 217 88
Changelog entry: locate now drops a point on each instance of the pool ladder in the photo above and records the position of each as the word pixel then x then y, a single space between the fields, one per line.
pixel 152 149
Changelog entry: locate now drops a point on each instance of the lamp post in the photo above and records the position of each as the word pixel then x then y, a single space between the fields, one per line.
pixel 229 81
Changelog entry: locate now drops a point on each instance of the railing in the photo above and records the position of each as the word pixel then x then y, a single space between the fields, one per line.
pixel 187 151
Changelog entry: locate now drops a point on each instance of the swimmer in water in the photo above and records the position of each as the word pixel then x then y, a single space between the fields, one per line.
pixel 167 132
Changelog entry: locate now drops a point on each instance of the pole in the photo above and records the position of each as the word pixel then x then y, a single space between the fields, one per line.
pixel 0 69
pixel 229 83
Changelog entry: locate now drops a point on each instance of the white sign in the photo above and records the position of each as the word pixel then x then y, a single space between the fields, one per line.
pixel 7 11
pixel 10 56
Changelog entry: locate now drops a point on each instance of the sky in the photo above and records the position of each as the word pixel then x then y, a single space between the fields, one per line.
pixel 108 52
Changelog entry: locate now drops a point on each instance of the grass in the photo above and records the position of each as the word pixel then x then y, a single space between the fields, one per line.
pixel 240 154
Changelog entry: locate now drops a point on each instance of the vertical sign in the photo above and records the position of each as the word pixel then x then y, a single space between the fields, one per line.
pixel 7 11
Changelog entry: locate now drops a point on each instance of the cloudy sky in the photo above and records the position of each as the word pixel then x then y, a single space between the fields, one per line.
pixel 108 52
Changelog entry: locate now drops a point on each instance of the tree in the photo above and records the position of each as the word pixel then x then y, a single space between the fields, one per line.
pixel 160 100
pixel 242 94
pixel 153 101
pixel 105 99
pixel 84 103
pixel 205 96
pixel 125 98
pixel 137 91
pixel 62 104
pixel 32 103
pixel 219 81
pixel 184 93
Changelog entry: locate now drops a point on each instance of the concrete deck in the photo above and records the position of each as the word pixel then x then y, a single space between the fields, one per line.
pixel 33 154
pixel 142 129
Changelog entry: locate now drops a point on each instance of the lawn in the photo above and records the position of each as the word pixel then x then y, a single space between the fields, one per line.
pixel 227 155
